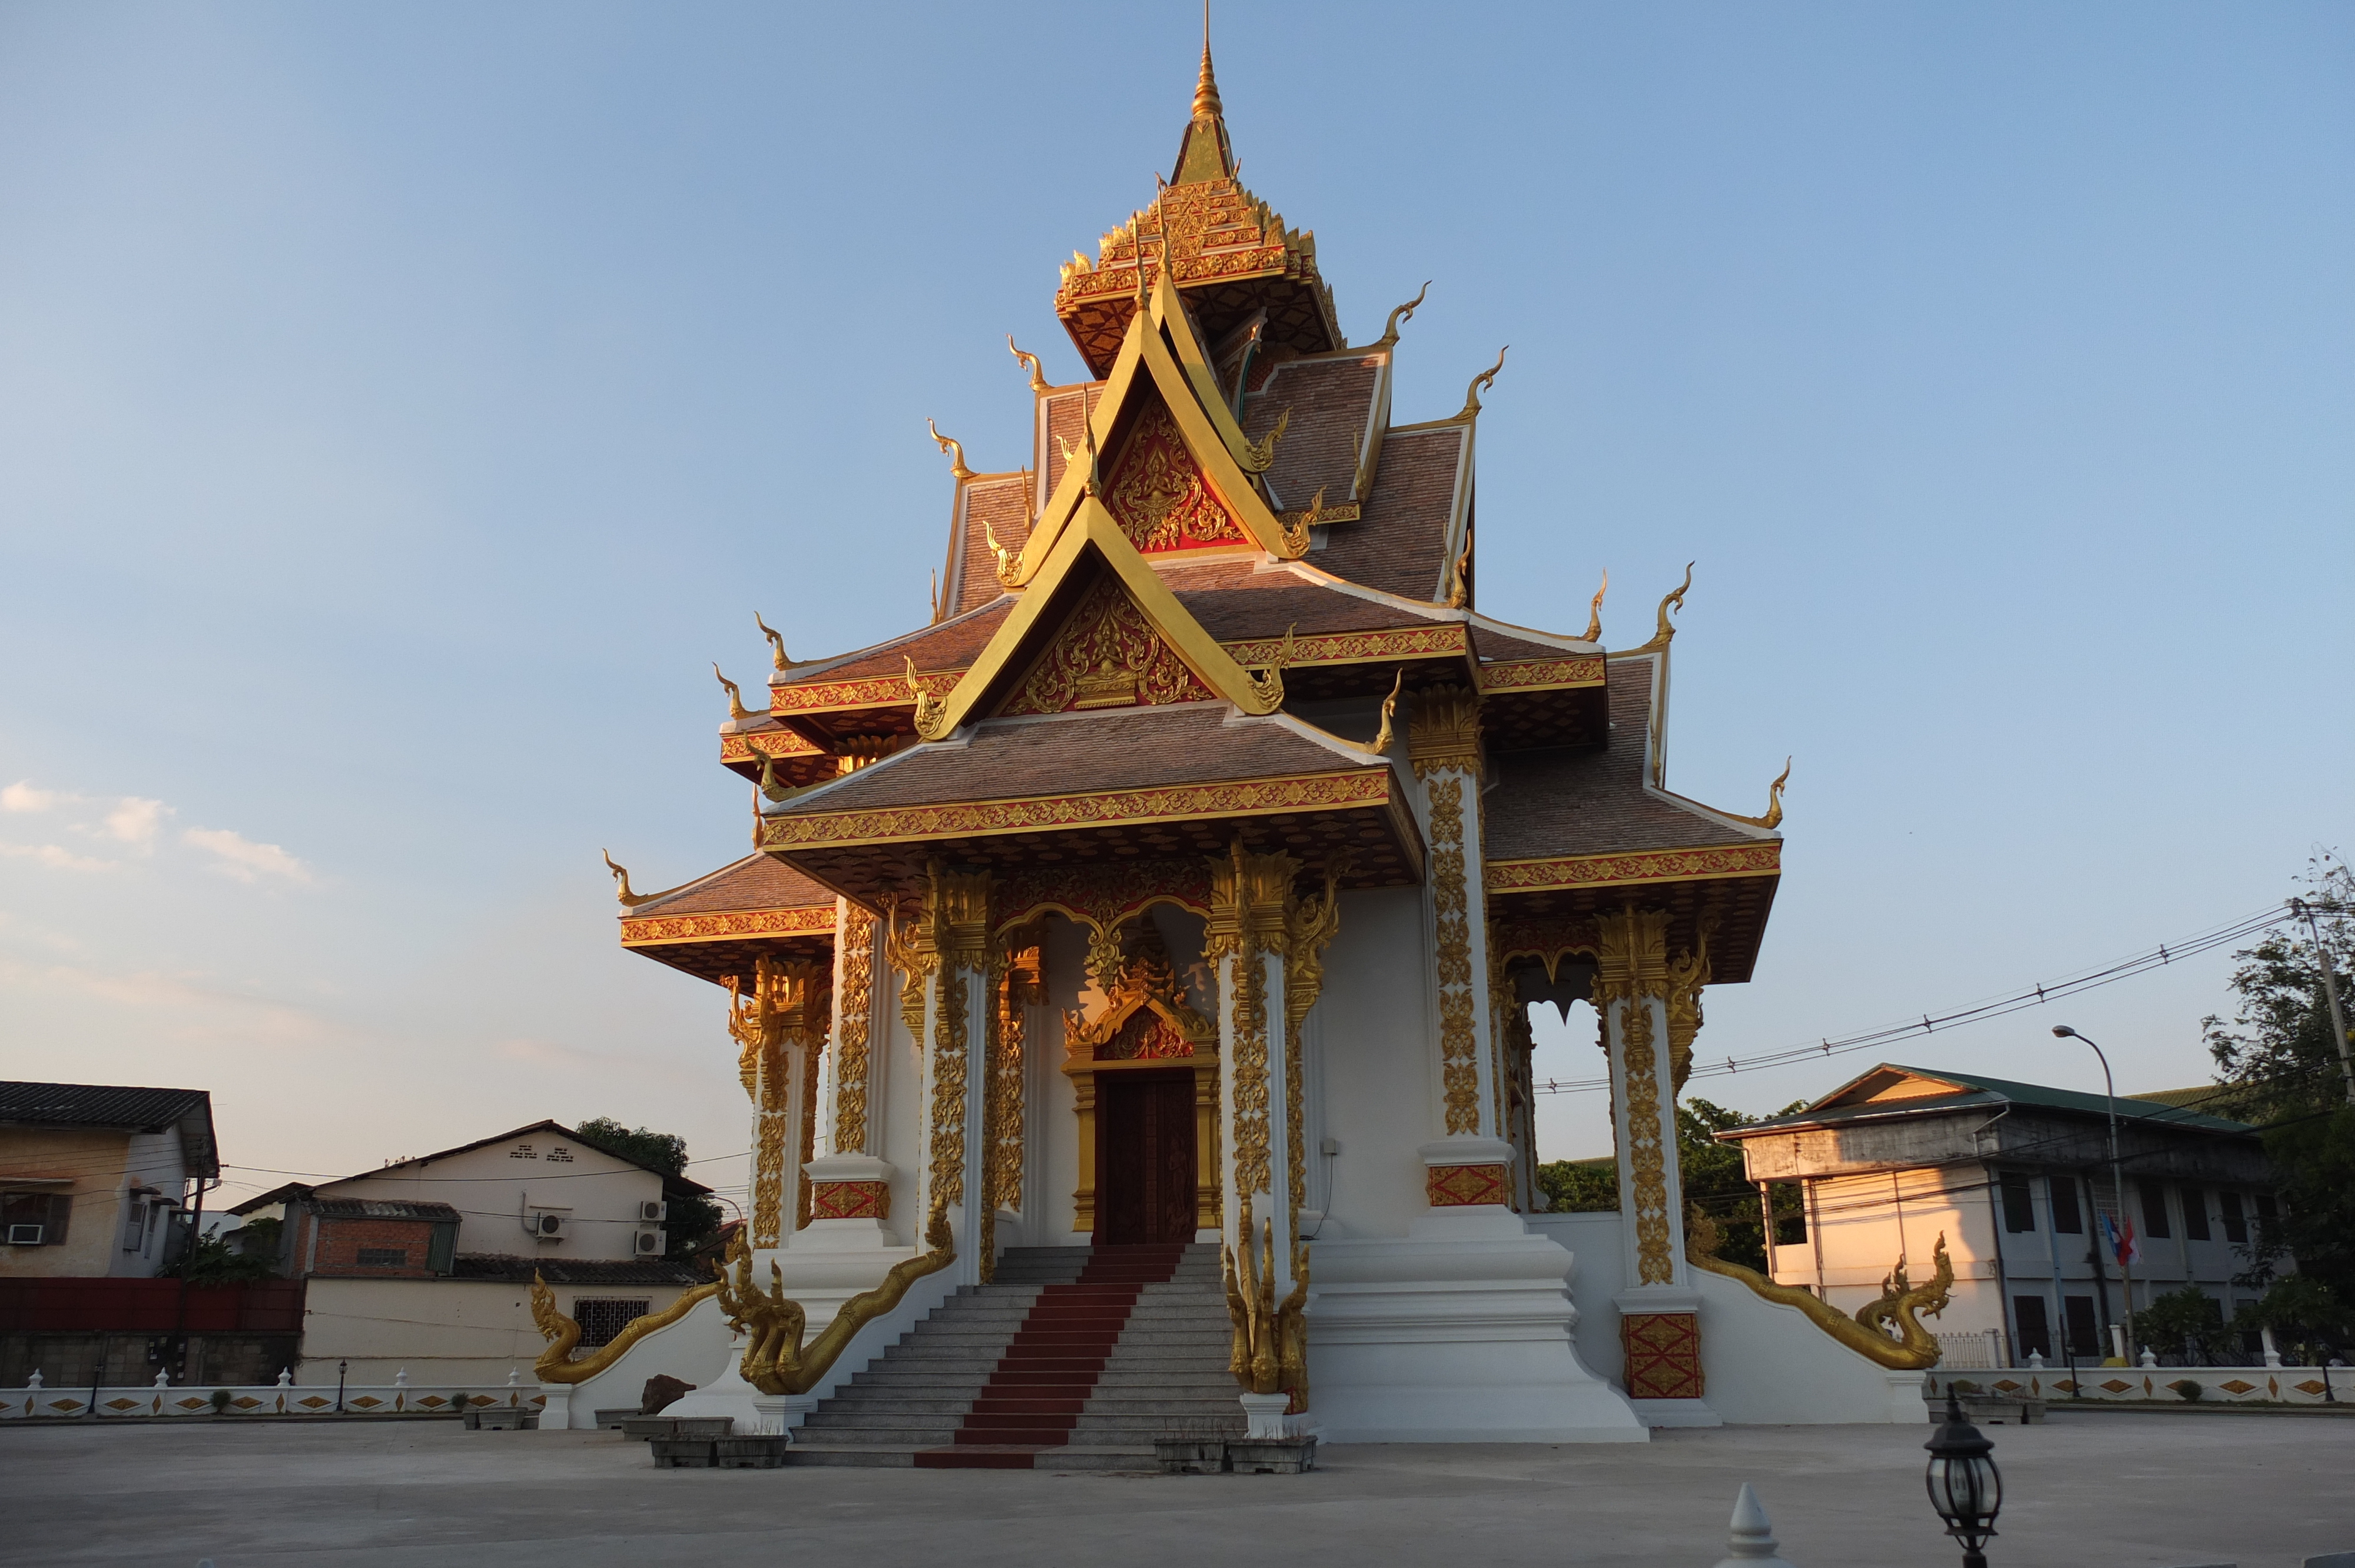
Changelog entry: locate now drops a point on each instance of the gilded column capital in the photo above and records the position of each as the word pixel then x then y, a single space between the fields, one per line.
pixel 1250 902
pixel 1632 955
pixel 1445 733
pixel 1686 974
pixel 955 918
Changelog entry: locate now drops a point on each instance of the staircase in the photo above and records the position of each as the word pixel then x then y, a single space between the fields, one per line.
pixel 1072 1358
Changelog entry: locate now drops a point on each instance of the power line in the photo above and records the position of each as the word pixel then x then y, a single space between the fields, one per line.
pixel 2141 963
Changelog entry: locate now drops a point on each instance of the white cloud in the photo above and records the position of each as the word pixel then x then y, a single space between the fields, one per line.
pixel 22 797
pixel 245 860
pixel 59 859
pixel 135 820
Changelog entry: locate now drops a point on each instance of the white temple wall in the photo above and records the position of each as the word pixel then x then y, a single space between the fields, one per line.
pixel 1597 1273
pixel 899 1122
pixel 1375 1063
pixel 1051 1133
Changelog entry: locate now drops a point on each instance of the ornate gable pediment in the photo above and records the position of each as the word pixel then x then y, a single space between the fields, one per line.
pixel 1159 495
pixel 1148 1020
pixel 1107 655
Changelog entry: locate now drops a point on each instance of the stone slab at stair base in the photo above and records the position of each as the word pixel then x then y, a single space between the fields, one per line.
pixel 765 1453
pixel 1457 1332
pixel 1270 1456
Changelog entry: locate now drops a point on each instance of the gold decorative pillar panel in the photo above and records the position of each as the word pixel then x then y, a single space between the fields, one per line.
pixel 946 998
pixel 1470 1166
pixel 1636 991
pixel 1253 914
pixel 850 1182
pixel 780 1027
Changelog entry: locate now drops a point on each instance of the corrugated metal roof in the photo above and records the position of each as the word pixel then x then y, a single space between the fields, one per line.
pixel 382 1209
pixel 117 1104
pixel 1974 1090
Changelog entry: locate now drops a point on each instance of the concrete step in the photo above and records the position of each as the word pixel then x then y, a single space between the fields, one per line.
pixel 880 1456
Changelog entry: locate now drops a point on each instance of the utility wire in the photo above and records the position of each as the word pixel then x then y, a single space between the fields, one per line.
pixel 2141 963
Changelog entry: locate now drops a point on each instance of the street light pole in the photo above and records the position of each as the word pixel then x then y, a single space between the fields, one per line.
pixel 2117 1181
pixel 2299 907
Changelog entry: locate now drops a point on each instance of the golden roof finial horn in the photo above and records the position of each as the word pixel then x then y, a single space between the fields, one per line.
pixel 1486 378
pixel 1595 610
pixel 736 708
pixel 1030 361
pixel 1676 600
pixel 1401 316
pixel 955 448
pixel 776 643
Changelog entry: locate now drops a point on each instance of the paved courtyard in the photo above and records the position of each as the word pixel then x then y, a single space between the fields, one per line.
pixel 2082 1491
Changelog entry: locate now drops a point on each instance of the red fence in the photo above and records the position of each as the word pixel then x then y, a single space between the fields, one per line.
pixel 150 1305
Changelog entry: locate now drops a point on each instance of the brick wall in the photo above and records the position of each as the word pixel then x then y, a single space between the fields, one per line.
pixel 341 1243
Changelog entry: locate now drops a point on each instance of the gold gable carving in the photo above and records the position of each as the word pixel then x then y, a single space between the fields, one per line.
pixel 1106 655
pixel 1147 1017
pixel 1157 493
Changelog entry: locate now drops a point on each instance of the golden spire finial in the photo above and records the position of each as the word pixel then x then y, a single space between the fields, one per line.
pixel 1205 153
pixel 1205 90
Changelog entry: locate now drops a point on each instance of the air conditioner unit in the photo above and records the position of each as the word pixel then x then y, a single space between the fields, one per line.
pixel 27 1235
pixel 653 1211
pixel 652 1244
pixel 548 1225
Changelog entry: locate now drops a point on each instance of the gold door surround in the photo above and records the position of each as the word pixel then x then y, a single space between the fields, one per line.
pixel 1149 1027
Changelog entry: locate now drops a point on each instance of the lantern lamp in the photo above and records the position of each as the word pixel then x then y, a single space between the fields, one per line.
pixel 1964 1486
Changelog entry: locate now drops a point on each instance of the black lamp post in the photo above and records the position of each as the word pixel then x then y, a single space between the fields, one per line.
pixel 1964 1486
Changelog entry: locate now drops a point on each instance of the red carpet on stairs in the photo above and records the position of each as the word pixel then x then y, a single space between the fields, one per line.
pixel 1034 1398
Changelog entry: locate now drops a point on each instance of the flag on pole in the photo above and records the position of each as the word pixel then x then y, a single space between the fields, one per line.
pixel 2122 1244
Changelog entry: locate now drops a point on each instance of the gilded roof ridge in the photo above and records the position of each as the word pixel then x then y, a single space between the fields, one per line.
pixel 1577 644
pixel 810 671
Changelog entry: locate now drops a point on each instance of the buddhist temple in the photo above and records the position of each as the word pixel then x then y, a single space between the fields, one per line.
pixel 1131 977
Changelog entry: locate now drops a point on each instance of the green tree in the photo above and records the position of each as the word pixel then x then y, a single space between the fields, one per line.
pixel 2281 1068
pixel 691 1219
pixel 1573 1186
pixel 1711 1173
pixel 212 1261
pixel 2189 1314
pixel 1714 1182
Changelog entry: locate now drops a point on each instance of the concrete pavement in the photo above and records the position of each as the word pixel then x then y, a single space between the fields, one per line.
pixel 2082 1491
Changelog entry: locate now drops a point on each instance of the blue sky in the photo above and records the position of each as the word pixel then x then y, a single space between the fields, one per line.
pixel 399 407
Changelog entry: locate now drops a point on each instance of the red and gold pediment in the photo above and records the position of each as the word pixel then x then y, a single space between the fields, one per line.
pixel 1159 496
pixel 1147 1018
pixel 1107 655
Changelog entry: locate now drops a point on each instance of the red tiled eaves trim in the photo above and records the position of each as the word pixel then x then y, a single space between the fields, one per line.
pixel 1542 675
pixel 1352 646
pixel 1103 807
pixel 874 692
pixel 657 930
pixel 1565 871
pixel 766 743
pixel 1322 648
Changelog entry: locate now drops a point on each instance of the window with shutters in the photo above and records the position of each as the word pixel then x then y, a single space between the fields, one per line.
pixel 2154 1209
pixel 2019 1208
pixel 2066 1217
pixel 2195 1215
pixel 2236 1224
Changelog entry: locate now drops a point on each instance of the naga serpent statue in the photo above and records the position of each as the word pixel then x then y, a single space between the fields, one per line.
pixel 775 1360
pixel 1271 1344
pixel 1869 1332
pixel 556 1363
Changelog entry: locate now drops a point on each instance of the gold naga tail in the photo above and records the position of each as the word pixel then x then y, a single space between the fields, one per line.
pixel 555 1364
pixel 1869 1333
pixel 1270 1344
pixel 775 1360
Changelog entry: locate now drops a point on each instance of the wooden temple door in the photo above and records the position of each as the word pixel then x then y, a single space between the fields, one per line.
pixel 1144 1153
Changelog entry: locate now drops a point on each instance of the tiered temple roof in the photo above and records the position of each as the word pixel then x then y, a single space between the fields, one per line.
pixel 1203 611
